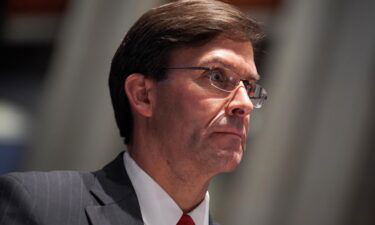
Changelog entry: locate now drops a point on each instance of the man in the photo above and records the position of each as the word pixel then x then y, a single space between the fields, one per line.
pixel 183 84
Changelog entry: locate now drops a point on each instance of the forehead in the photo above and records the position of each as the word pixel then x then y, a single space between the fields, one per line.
pixel 235 55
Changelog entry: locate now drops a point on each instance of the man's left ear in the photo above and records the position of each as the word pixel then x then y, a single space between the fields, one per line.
pixel 138 89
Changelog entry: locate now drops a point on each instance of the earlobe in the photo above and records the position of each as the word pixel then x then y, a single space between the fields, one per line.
pixel 137 89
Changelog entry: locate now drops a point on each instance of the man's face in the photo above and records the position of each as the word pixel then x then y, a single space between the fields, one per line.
pixel 198 126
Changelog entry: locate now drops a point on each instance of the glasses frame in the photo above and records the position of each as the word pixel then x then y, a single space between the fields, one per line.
pixel 262 92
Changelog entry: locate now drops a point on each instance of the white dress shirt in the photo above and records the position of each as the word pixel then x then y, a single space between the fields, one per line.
pixel 157 207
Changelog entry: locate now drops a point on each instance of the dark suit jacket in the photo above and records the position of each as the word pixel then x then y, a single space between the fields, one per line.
pixel 70 197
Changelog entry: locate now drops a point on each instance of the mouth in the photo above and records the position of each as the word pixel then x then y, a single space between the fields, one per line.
pixel 231 133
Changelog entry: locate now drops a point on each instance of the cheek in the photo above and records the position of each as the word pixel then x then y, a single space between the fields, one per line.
pixel 188 104
pixel 187 110
pixel 174 111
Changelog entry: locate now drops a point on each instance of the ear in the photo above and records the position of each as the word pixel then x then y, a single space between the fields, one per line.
pixel 137 88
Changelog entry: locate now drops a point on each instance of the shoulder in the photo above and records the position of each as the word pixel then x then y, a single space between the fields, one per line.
pixel 31 196
pixel 47 186
pixel 36 182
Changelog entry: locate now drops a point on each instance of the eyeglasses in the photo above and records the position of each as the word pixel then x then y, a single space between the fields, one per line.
pixel 226 80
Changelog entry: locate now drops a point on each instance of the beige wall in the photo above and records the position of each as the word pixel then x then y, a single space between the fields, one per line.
pixel 76 127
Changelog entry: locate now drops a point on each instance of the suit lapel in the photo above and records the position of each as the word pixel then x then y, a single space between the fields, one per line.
pixel 111 215
pixel 118 203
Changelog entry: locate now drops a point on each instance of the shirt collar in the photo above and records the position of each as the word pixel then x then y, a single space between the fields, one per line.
pixel 157 207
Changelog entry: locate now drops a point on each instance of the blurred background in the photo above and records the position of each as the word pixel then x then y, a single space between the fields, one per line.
pixel 310 157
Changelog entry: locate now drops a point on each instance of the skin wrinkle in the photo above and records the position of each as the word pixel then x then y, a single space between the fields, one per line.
pixel 185 135
pixel 233 121
pixel 222 120
pixel 213 54
pixel 218 60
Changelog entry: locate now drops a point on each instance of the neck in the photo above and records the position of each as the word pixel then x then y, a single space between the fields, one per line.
pixel 186 186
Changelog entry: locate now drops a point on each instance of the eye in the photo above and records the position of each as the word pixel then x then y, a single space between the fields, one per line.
pixel 216 75
pixel 221 80
pixel 252 89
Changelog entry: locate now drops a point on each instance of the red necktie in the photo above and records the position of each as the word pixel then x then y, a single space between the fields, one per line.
pixel 185 220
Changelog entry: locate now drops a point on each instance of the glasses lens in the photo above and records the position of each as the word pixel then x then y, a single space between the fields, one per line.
pixel 221 80
pixel 257 103
pixel 226 81
pixel 257 95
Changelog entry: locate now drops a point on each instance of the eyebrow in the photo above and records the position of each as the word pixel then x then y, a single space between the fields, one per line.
pixel 219 60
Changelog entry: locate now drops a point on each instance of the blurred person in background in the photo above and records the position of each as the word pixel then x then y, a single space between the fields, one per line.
pixel 183 84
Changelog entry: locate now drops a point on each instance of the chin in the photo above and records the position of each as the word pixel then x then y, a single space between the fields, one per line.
pixel 232 162
pixel 221 156
pixel 228 159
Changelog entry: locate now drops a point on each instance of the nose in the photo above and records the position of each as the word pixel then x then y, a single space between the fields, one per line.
pixel 240 104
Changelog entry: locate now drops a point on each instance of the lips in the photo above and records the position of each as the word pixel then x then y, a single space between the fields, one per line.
pixel 237 133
